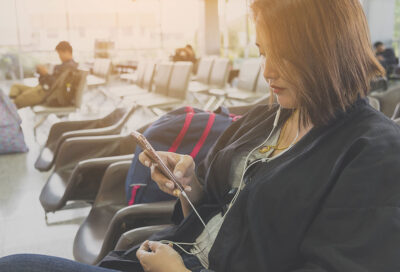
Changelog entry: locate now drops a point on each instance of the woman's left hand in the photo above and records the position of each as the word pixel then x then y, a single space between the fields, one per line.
pixel 158 257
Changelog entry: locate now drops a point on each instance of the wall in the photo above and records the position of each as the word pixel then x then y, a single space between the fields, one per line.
pixel 380 15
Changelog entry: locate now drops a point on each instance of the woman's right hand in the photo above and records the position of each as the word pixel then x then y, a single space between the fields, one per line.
pixel 182 166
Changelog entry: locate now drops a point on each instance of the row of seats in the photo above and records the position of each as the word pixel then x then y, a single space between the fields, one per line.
pixel 163 84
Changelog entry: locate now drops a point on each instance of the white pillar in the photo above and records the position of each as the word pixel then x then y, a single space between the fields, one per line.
pixel 210 25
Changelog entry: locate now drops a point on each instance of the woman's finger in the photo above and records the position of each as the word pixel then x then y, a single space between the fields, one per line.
pixel 154 246
pixel 143 252
pixel 163 182
pixel 144 159
pixel 183 166
pixel 145 246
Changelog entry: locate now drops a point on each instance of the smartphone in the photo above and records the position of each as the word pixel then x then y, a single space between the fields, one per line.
pixel 155 158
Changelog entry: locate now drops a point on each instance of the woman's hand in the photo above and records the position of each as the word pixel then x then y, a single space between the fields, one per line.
pixel 158 257
pixel 182 166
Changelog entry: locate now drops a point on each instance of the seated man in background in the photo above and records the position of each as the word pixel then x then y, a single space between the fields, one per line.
pixel 386 57
pixel 185 54
pixel 25 96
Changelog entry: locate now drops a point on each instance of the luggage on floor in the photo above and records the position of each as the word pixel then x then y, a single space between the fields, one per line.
pixel 11 135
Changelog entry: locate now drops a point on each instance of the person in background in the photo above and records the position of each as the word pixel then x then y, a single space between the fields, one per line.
pixel 185 54
pixel 386 57
pixel 26 96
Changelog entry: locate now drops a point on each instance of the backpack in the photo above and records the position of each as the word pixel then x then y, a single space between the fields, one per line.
pixel 11 135
pixel 185 130
pixel 63 90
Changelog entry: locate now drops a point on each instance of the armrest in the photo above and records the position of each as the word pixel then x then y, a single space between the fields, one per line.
pixel 137 236
pixel 89 175
pixel 77 149
pixel 59 128
pixel 112 188
pixel 92 132
pixel 219 92
pixel 147 210
pixel 147 214
pixel 136 216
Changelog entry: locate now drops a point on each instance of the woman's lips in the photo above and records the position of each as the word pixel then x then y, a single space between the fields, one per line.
pixel 277 89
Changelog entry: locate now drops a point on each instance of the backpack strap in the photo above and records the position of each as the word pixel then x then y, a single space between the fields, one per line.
pixel 204 136
pixel 182 133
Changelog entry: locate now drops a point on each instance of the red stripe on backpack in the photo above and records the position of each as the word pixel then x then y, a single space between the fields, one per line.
pixel 133 196
pixel 182 133
pixel 203 137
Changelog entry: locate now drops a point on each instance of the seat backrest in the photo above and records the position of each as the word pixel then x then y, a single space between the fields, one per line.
pixel 262 86
pixel 102 67
pixel 148 76
pixel 248 74
pixel 374 102
pixel 140 71
pixel 219 73
pixel 80 87
pixel 204 70
pixel 179 81
pixel 388 100
pixel 162 77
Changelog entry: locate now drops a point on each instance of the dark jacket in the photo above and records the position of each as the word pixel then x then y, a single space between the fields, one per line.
pixel 331 203
pixel 47 80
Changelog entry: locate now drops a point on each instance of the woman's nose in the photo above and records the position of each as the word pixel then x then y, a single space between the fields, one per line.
pixel 270 73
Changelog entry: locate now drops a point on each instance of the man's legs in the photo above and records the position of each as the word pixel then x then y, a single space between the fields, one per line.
pixel 42 263
pixel 17 89
pixel 30 97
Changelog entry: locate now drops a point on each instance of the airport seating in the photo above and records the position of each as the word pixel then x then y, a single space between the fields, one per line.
pixel 109 217
pixel 246 84
pixel 144 85
pixel 161 80
pixel 60 131
pixel 136 76
pixel 218 76
pixel 396 112
pixel 176 90
pixel 100 73
pixel 78 169
pixel 388 100
pixel 374 102
pixel 217 80
pixel 202 79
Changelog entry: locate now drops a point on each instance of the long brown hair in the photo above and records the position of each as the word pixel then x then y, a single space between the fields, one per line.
pixel 327 52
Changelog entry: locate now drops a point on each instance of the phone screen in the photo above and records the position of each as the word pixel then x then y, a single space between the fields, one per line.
pixel 145 145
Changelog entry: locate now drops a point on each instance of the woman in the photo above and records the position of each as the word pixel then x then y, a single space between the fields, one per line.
pixel 316 175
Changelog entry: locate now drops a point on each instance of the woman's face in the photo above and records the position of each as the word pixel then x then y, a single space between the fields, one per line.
pixel 284 91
